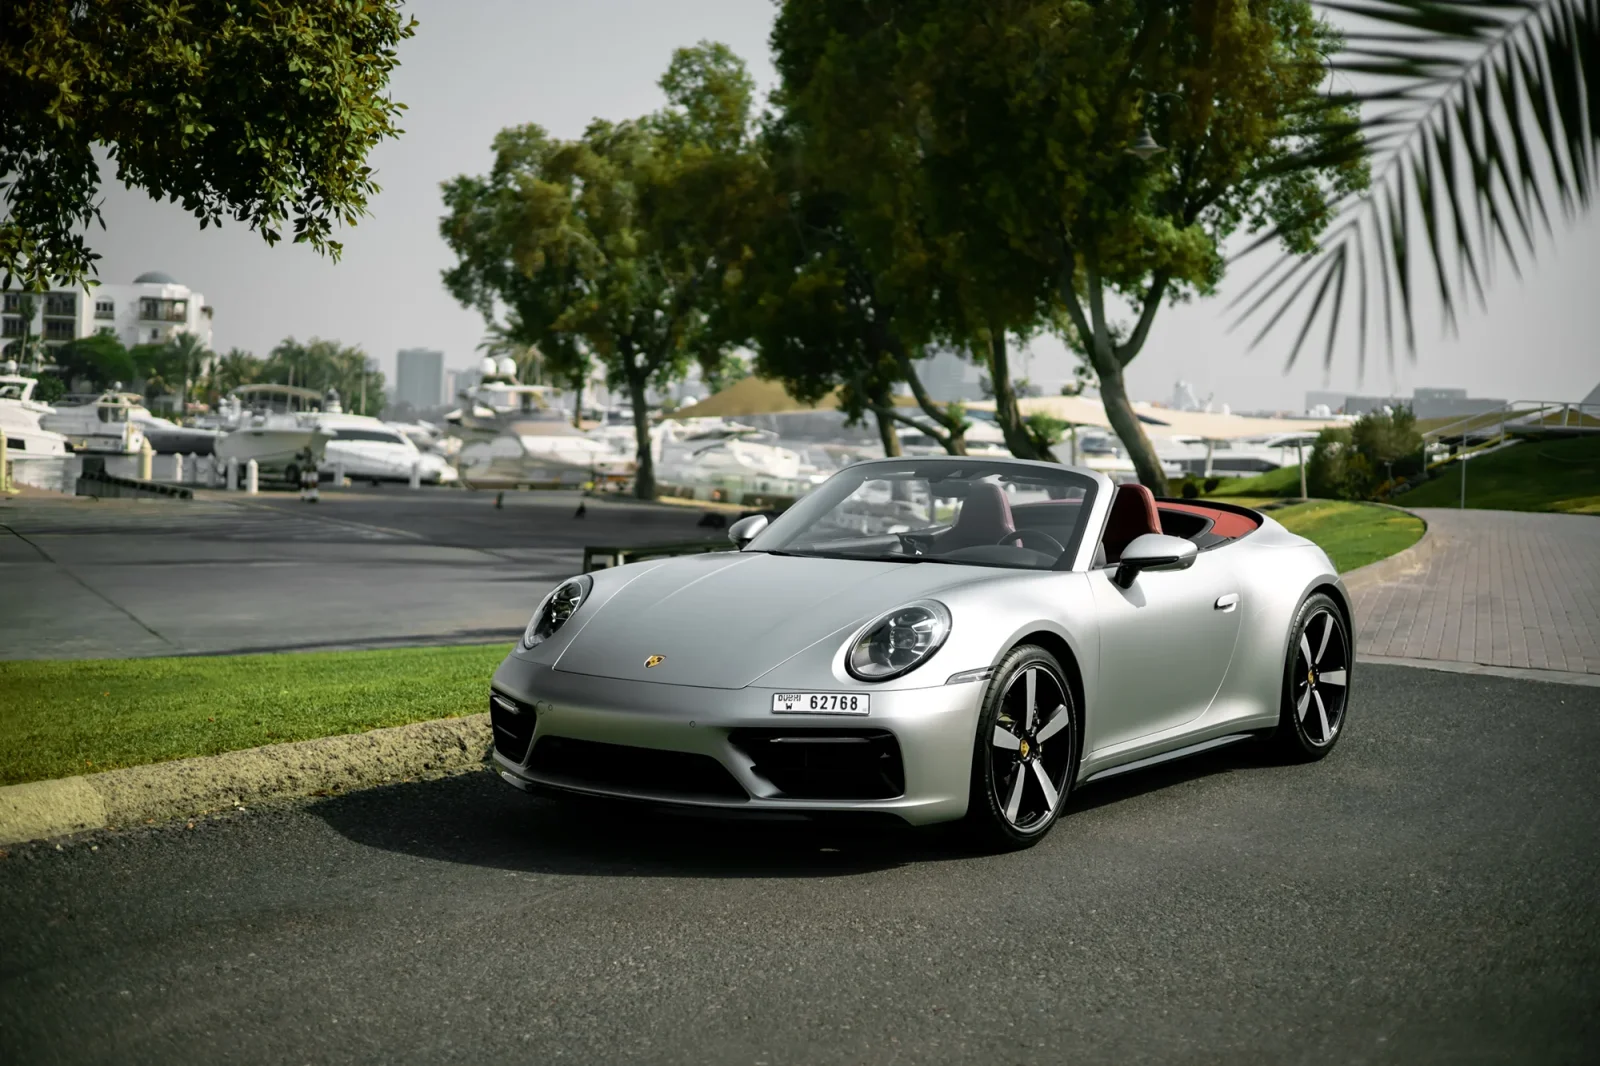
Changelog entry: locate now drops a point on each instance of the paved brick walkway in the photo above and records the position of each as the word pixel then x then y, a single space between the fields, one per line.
pixel 1501 588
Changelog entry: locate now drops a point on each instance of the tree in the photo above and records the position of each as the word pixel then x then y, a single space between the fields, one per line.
pixel 264 111
pixel 99 360
pixel 1477 114
pixel 229 371
pixel 595 244
pixel 1005 135
pixel 323 365
pixel 171 367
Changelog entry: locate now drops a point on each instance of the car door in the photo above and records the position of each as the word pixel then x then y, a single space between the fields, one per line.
pixel 1166 643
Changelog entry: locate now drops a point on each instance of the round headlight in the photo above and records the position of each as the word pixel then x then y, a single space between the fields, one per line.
pixel 555 609
pixel 899 641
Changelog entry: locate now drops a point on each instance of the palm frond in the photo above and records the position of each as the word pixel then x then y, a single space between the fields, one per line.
pixel 1481 117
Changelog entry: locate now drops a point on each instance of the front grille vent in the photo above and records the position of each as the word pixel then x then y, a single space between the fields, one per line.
pixel 634 771
pixel 833 764
pixel 513 723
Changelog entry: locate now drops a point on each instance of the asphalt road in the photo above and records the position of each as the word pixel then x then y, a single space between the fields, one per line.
pixel 1426 895
pixel 363 568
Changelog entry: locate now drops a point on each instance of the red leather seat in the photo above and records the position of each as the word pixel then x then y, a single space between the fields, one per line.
pixel 985 517
pixel 1133 514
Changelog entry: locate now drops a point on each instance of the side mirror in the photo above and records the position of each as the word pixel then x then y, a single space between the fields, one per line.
pixel 745 530
pixel 1154 551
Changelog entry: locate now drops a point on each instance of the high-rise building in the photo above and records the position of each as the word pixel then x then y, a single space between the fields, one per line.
pixel 419 378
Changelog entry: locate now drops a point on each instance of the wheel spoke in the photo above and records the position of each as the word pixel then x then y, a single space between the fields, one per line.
pixel 1322 713
pixel 1333 677
pixel 1327 632
pixel 1044 783
pixel 1014 804
pixel 1305 648
pixel 1058 721
pixel 1303 702
pixel 1030 681
pixel 1005 740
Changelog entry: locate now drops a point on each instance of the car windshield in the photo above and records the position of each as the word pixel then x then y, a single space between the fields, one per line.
pixel 970 511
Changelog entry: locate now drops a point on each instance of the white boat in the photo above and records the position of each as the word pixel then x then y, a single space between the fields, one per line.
pixel 515 433
pixel 276 425
pixel 99 422
pixel 368 449
pixel 167 437
pixel 715 454
pixel 20 416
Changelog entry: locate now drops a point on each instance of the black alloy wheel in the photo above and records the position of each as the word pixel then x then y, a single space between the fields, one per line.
pixel 1316 683
pixel 1025 756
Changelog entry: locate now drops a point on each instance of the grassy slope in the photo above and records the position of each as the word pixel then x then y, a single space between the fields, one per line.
pixel 61 718
pixel 1558 475
pixel 1274 484
pixel 1353 534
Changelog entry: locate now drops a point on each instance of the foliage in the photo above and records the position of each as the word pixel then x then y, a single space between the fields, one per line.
pixel 1478 114
pixel 599 246
pixel 986 146
pixel 237 367
pixel 172 367
pixel 99 361
pixel 323 365
pixel 64 718
pixel 1356 462
pixel 264 111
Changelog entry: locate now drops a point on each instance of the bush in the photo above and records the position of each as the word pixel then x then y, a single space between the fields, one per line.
pixel 1190 490
pixel 1360 461
pixel 1212 483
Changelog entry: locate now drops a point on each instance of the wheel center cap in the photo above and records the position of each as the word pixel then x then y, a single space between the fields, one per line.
pixel 1024 749
pixel 1311 677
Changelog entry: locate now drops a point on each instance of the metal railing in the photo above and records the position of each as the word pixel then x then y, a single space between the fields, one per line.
pixel 1478 434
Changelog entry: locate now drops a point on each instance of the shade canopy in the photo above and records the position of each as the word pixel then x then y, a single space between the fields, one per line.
pixel 1163 421
pixel 761 396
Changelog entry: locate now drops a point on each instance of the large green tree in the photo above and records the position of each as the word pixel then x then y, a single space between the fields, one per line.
pixel 262 110
pixel 327 364
pixel 1004 136
pixel 597 244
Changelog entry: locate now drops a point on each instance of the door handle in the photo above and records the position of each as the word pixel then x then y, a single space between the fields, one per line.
pixel 1227 602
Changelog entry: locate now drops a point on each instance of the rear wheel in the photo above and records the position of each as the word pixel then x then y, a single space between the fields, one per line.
pixel 1316 682
pixel 1025 756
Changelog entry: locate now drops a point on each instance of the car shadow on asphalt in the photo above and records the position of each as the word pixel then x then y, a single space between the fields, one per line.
pixel 476 819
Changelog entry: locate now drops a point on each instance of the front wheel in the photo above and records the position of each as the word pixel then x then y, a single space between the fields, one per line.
pixel 1025 756
pixel 1316 682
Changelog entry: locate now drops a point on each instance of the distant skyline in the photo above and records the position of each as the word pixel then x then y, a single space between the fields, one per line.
pixel 475 68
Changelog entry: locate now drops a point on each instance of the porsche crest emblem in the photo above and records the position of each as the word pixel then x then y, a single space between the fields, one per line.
pixel 654 660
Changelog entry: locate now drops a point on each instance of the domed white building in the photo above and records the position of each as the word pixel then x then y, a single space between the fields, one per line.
pixel 154 308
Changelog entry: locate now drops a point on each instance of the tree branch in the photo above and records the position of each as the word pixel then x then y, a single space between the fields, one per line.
pixel 1152 303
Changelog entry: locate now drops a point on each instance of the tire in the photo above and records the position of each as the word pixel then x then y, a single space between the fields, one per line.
pixel 1316 683
pixel 1019 790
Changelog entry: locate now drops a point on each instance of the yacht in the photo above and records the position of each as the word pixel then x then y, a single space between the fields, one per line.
pixel 276 425
pixel 167 437
pixel 369 449
pixel 20 416
pixel 714 453
pixel 100 422
pixel 523 433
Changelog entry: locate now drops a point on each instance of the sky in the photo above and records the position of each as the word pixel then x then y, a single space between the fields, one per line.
pixel 476 66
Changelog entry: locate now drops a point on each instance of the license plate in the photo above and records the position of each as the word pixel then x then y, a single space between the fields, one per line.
pixel 819 703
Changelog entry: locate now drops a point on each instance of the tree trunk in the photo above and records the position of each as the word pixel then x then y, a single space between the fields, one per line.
pixel 1006 412
pixel 886 432
pixel 644 477
pixel 952 435
pixel 577 401
pixel 1119 412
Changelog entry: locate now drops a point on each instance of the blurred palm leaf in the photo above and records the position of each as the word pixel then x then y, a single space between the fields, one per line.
pixel 1482 118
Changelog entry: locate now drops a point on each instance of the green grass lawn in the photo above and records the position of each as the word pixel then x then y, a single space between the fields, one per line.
pixel 60 718
pixel 1274 484
pixel 1353 534
pixel 1557 475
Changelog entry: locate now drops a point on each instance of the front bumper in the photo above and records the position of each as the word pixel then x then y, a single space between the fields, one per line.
pixel 647 741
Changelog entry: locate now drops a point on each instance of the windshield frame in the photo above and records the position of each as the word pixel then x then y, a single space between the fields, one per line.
pixel 805 512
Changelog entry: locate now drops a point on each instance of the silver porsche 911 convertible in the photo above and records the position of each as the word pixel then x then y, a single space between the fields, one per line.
pixel 932 639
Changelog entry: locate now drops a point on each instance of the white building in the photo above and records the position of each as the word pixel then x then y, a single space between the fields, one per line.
pixel 419 378
pixel 154 309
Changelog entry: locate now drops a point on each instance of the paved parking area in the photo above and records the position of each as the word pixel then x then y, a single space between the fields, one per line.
pixel 111 578
pixel 1499 588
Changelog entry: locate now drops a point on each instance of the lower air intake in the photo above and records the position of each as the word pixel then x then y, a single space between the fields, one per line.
pixel 832 764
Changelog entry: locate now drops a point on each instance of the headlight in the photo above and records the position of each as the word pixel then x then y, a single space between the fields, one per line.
pixel 899 641
pixel 555 609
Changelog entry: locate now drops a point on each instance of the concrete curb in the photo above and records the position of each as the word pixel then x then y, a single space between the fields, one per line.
pixel 1397 565
pixel 278 772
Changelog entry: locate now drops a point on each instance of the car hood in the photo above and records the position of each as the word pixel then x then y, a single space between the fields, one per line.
pixel 722 620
